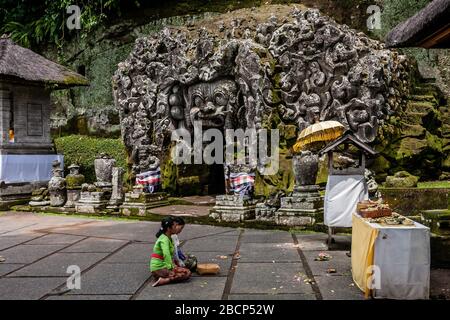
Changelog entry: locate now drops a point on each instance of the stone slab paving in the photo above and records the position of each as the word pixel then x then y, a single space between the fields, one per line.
pixel 268 252
pixel 132 253
pixel 201 200
pixel 29 253
pixel 114 256
pixel 56 265
pixel 27 288
pixel 270 278
pixel 91 297
pixel 338 288
pixel 197 288
pixel 6 268
pixel 13 240
pixel 182 210
pixel 97 245
pixel 57 239
pixel 225 244
pixel 108 278
pixel 267 236
pixel 339 261
pixel 277 296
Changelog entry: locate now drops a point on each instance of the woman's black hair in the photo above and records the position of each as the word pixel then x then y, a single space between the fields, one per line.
pixel 179 220
pixel 166 223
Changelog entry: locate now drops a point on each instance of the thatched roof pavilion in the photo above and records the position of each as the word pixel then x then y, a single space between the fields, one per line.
pixel 429 28
pixel 26 148
pixel 18 63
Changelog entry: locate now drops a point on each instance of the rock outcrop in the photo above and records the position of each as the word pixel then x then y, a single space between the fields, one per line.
pixel 256 69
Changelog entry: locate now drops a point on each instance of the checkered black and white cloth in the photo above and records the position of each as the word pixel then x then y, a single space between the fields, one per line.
pixel 150 179
pixel 242 183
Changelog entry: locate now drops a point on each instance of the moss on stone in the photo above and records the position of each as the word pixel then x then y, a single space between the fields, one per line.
pixel 73 182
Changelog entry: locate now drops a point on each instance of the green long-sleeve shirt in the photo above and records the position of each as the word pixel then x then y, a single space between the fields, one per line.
pixel 165 248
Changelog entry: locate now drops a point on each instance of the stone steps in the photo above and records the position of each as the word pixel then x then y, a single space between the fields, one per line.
pixel 412 130
pixel 424 98
pixel 420 107
pixel 426 89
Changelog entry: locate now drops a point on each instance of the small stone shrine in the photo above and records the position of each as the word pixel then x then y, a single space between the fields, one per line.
pixel 305 205
pixel 238 204
pixel 57 189
pixel 94 197
pixel 26 149
pixel 74 181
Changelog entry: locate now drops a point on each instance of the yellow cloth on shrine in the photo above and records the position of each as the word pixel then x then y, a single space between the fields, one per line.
pixel 363 249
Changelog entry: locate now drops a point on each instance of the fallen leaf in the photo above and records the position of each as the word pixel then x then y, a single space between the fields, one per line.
pixel 222 257
pixel 2 259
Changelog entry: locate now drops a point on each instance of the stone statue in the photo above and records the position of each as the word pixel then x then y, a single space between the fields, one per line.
pixel 74 181
pixel 117 188
pixel 306 166
pixel 145 157
pixel 57 189
pixel 103 169
pixel 372 185
pixel 211 103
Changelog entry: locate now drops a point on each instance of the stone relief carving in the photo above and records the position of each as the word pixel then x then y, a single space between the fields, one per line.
pixel 234 74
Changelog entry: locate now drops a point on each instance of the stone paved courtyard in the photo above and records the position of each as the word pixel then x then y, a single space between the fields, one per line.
pixel 113 257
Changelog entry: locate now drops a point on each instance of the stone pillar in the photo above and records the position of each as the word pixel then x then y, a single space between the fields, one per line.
pixel 103 170
pixel 117 188
pixel 305 206
pixel 57 189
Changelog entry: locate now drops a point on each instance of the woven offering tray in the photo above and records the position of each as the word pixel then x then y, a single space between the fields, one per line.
pixel 208 268
pixel 375 212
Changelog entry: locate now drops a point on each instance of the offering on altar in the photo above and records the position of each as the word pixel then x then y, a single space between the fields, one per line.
pixel 371 209
pixel 394 220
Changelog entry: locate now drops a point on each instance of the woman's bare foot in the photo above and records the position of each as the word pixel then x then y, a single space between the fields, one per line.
pixel 160 282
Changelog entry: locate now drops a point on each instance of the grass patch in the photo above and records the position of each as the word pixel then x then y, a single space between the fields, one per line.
pixel 433 184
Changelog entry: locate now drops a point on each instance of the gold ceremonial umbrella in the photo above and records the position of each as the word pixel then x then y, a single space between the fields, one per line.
pixel 320 132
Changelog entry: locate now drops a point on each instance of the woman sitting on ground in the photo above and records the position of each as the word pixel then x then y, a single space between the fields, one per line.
pixel 162 265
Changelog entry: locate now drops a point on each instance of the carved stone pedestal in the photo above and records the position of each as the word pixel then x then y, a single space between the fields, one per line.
pixel 303 208
pixel 233 208
pixel 73 196
pixel 92 202
pixel 265 213
pixel 137 204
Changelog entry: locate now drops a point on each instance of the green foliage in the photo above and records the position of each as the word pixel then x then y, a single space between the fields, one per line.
pixel 83 150
pixel 31 22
